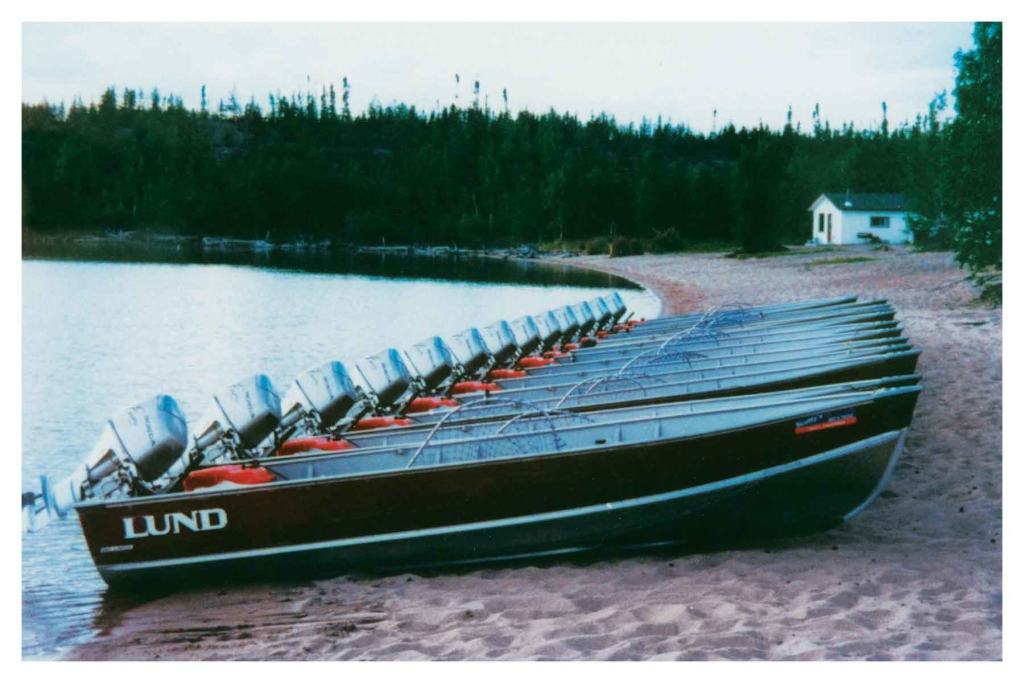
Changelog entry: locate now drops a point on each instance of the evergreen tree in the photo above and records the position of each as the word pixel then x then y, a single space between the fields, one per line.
pixel 974 171
pixel 471 176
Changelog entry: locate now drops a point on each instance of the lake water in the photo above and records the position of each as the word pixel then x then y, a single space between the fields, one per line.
pixel 101 335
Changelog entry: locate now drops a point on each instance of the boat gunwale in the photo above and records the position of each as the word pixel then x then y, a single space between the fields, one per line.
pixel 865 397
pixel 857 339
pixel 850 362
pixel 866 347
pixel 869 394
pixel 822 390
pixel 870 318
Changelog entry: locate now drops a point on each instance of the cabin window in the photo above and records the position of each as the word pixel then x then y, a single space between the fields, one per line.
pixel 879 221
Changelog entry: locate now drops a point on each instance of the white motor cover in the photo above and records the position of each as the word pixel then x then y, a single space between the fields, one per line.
pixel 500 341
pixel 151 436
pixel 617 304
pixel 251 408
pixel 585 316
pixel 326 391
pixel 470 350
pixel 432 360
pixel 601 310
pixel 527 334
pixel 567 321
pixel 386 375
pixel 550 329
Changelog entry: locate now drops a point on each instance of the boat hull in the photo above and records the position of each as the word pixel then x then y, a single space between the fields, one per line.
pixel 808 494
pixel 249 530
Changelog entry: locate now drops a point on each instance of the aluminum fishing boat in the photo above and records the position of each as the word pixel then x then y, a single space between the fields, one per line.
pixel 490 416
pixel 459 500
pixel 575 429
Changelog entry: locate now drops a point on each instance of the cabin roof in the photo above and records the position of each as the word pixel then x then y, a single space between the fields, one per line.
pixel 865 201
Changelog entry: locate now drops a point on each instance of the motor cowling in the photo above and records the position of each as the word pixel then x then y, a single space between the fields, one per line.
pixel 433 361
pixel 567 321
pixel 141 442
pixel 584 316
pixel 601 310
pixel 527 334
pixel 386 375
pixel 470 350
pixel 617 305
pixel 248 411
pixel 325 394
pixel 500 341
pixel 550 329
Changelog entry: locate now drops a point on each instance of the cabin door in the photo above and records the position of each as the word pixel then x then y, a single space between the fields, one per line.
pixel 829 219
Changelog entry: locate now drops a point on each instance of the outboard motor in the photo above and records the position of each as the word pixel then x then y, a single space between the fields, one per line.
pixel 433 361
pixel 386 376
pixel 471 351
pixel 527 334
pixel 238 420
pixel 319 398
pixel 501 342
pixel 585 316
pixel 617 304
pixel 567 321
pixel 603 313
pixel 135 450
pixel 550 330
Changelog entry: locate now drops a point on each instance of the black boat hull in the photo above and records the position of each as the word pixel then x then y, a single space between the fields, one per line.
pixel 250 530
pixel 812 493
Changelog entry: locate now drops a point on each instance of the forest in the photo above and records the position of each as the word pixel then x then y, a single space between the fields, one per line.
pixel 306 167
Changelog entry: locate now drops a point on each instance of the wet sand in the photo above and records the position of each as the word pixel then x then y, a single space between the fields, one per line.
pixel 917 576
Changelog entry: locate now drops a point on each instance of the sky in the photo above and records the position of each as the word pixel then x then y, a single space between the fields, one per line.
pixel 682 72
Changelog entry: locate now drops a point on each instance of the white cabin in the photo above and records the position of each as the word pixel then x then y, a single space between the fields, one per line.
pixel 853 218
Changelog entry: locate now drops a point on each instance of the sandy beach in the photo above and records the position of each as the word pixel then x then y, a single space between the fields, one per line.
pixel 917 576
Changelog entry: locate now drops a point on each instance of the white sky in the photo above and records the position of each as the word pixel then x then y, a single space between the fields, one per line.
pixel 681 71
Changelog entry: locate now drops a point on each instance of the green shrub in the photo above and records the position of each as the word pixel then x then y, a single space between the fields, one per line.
pixel 596 247
pixel 626 246
pixel 666 241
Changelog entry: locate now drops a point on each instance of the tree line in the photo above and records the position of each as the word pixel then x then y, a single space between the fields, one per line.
pixel 306 167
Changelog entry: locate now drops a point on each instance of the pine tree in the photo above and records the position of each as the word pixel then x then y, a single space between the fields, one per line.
pixel 346 112
pixel 974 170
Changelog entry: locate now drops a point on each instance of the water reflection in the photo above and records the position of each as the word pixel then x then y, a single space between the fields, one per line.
pixel 393 264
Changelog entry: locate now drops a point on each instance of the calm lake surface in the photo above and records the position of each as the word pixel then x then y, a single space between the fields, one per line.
pixel 98 336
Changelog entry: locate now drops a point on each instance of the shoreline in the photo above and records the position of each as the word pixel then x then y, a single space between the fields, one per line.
pixel 143 239
pixel 917 576
pixel 673 298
